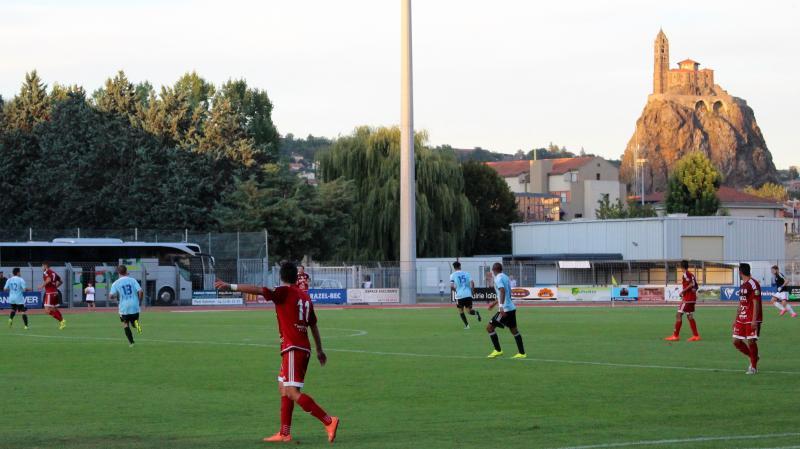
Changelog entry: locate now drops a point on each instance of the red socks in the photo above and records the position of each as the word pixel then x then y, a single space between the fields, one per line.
pixel 306 403
pixel 693 324
pixel 677 330
pixel 287 407
pixel 57 315
pixel 742 347
pixel 753 353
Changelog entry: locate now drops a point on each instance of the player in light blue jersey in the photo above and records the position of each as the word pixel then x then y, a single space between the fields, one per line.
pixel 129 294
pixel 506 315
pixel 16 298
pixel 461 285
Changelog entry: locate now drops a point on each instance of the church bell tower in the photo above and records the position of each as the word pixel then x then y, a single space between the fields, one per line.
pixel 661 63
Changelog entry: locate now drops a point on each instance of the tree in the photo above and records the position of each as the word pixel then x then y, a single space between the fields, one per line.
pixel 770 191
pixel 30 107
pixel 610 211
pixel 692 186
pixel 254 111
pixel 370 158
pixel 793 173
pixel 496 206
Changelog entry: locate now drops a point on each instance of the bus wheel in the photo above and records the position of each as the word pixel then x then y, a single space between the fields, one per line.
pixel 165 296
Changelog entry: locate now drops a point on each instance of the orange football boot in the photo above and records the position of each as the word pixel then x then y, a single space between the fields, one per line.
pixel 278 438
pixel 331 428
pixel 673 338
pixel 694 338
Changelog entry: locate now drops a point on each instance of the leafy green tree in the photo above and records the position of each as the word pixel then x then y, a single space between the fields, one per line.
pixel 253 109
pixel 606 210
pixel 496 206
pixel 692 186
pixel 370 158
pixel 793 173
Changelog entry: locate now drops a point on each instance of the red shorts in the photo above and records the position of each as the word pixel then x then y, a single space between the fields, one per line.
pixel 294 364
pixel 51 299
pixel 686 307
pixel 746 331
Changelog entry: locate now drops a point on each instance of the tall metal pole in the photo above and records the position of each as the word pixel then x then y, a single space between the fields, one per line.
pixel 408 184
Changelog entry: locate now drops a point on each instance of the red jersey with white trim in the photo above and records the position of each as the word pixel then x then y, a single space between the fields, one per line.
pixel 303 281
pixel 749 302
pixel 50 278
pixel 295 313
pixel 689 280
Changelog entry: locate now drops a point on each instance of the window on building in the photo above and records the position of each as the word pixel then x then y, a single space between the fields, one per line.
pixel 597 176
pixel 564 197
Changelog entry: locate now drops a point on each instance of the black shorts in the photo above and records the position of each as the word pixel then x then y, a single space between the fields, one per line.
pixel 18 307
pixel 509 320
pixel 464 302
pixel 129 318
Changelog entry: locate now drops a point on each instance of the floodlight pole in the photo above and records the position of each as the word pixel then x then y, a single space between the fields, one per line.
pixel 408 185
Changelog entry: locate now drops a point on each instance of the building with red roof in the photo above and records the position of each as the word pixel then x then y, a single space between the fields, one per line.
pixel 732 202
pixel 579 183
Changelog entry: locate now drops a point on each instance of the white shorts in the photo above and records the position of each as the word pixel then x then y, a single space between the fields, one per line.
pixel 89 299
pixel 781 296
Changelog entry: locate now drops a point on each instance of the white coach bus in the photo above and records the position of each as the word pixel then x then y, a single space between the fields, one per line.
pixel 168 272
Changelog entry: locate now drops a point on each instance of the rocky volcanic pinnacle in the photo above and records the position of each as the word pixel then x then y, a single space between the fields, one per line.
pixel 721 126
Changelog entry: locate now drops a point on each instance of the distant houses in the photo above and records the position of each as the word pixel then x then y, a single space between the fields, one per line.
pixel 560 189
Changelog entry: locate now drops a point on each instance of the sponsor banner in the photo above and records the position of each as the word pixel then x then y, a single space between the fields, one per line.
pixel 651 293
pixel 534 293
pixel 373 295
pixel 487 294
pixel 328 295
pixel 584 293
pixel 216 298
pixel 731 293
pixel 33 300
pixel 624 293
pixel 794 293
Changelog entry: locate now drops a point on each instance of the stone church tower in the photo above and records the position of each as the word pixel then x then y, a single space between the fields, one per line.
pixel 661 63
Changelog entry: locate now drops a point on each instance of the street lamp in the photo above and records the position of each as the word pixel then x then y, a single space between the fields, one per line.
pixel 408 188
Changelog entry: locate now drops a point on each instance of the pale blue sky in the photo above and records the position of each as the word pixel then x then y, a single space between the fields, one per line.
pixel 502 75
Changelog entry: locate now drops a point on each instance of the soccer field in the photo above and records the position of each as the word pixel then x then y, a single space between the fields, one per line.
pixel 401 378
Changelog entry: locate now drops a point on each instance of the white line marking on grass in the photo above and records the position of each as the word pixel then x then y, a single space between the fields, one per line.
pixel 415 354
pixel 685 440
pixel 209 311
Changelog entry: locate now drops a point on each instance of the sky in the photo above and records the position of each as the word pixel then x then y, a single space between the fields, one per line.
pixel 502 75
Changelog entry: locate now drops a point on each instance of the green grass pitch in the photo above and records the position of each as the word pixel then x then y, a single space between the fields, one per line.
pixel 401 378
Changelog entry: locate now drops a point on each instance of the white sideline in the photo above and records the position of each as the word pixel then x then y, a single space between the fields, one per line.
pixel 688 440
pixel 414 354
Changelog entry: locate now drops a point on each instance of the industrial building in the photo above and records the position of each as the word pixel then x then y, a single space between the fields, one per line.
pixel 646 250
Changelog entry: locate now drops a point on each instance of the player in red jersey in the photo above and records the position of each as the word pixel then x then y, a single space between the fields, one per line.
pixel 688 301
pixel 747 326
pixel 296 316
pixel 303 279
pixel 50 283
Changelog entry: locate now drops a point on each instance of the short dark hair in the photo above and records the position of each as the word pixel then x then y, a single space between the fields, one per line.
pixel 497 267
pixel 685 264
pixel 288 272
pixel 122 269
pixel 457 265
pixel 15 271
pixel 46 263
pixel 774 267
pixel 744 268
